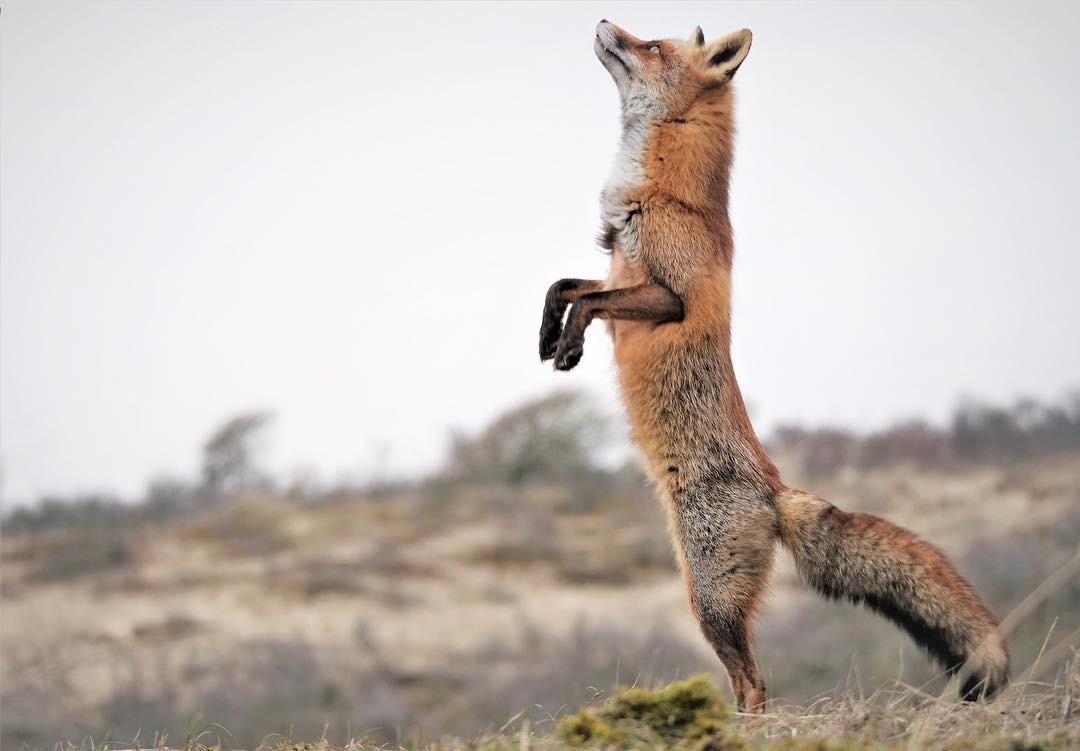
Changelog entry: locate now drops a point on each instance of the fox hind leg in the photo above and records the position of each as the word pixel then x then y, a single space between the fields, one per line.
pixel 726 583
pixel 730 636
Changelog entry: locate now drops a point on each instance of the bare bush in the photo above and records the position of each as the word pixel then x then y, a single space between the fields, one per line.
pixel 820 452
pixel 915 442
pixel 91 512
pixel 229 454
pixel 74 554
pixel 977 433
pixel 551 438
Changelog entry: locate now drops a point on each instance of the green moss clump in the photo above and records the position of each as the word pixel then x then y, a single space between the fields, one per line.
pixel 686 715
pixel 587 728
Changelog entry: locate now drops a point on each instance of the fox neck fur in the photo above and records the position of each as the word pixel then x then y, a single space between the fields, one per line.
pixel 665 210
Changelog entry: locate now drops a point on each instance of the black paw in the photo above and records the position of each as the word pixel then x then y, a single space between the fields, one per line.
pixel 549 342
pixel 568 355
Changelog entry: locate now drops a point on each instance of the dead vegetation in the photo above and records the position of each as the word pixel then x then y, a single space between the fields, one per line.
pixel 489 606
pixel 690 715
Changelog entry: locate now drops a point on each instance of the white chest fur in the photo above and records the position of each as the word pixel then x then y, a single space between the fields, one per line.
pixel 628 173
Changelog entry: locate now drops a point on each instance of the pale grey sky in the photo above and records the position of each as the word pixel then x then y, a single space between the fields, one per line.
pixel 349 213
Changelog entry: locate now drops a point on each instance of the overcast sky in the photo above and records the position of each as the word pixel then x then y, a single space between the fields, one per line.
pixel 349 214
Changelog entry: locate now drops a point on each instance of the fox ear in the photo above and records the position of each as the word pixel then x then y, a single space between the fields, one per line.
pixel 723 56
pixel 697 38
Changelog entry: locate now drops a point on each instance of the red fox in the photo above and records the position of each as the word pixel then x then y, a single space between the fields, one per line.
pixel 667 300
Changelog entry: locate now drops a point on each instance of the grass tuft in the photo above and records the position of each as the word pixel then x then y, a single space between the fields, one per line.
pixel 684 715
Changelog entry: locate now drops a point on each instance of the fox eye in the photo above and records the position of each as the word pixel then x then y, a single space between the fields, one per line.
pixel 655 48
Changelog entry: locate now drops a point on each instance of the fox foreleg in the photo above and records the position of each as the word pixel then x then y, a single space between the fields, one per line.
pixel 559 296
pixel 651 301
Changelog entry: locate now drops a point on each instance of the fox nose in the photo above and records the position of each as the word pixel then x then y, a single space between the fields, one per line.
pixel 603 20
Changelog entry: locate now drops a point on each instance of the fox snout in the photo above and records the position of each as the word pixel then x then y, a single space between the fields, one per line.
pixel 611 36
pixel 611 46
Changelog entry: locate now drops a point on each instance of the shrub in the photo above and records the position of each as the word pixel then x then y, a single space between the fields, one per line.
pixel 69 556
pixel 554 437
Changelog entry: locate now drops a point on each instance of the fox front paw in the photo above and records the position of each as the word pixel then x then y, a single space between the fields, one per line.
pixel 568 355
pixel 549 338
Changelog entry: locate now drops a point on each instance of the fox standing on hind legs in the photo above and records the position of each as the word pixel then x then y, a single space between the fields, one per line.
pixel 667 303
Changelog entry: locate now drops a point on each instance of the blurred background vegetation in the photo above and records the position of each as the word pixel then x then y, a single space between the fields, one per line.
pixel 526 576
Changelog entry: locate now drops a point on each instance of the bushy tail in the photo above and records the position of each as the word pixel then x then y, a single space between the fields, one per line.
pixel 868 561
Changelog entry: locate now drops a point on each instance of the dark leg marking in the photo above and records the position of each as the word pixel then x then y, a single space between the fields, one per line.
pixel 646 302
pixel 559 296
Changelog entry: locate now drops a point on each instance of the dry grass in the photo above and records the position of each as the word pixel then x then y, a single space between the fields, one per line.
pixel 690 716
pixel 445 612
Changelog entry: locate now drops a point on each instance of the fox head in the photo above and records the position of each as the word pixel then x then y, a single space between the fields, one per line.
pixel 660 78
